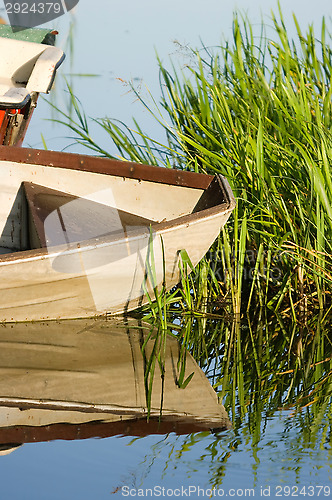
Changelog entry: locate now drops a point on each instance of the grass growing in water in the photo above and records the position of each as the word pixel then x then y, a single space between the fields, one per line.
pixel 265 371
pixel 259 111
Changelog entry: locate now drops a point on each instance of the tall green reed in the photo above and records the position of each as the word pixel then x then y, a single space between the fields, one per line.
pixel 266 365
pixel 258 110
pixel 264 371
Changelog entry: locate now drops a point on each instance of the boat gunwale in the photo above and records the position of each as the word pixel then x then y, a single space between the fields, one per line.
pixel 106 166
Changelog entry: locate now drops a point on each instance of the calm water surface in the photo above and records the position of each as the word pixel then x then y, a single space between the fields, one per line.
pixel 98 467
pixel 267 447
pixel 267 452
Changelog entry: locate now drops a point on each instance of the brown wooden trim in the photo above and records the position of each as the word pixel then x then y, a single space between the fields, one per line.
pixel 137 427
pixel 107 166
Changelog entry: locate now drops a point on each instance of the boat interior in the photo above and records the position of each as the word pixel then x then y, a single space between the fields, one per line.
pixel 43 217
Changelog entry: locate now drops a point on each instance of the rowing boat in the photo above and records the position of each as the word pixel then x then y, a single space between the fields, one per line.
pixel 82 236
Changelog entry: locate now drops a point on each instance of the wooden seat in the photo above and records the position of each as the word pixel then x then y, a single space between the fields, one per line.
pixel 57 218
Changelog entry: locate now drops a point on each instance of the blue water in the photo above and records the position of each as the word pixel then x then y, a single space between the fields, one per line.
pixel 124 466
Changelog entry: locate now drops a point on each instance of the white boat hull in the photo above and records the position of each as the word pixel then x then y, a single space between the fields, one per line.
pixel 104 274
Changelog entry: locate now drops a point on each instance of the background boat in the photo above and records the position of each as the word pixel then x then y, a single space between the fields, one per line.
pixel 28 64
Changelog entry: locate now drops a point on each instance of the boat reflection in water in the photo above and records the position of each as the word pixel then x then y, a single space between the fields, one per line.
pixel 86 378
